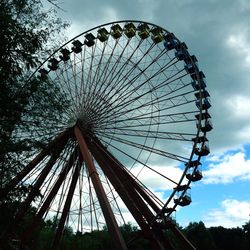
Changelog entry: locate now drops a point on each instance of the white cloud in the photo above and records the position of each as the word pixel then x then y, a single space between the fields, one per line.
pixel 239 106
pixel 231 167
pixel 232 213
pixel 239 44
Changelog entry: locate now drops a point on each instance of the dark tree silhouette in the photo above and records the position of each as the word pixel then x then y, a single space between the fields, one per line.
pixel 198 234
pixel 27 36
pixel 246 237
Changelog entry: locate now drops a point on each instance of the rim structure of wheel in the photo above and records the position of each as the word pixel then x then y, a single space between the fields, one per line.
pixel 128 138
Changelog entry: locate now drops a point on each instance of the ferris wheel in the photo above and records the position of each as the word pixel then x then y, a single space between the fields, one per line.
pixel 124 137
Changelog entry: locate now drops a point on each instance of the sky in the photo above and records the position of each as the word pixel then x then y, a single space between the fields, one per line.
pixel 218 33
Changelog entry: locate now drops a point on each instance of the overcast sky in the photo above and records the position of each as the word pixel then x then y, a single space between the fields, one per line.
pixel 218 33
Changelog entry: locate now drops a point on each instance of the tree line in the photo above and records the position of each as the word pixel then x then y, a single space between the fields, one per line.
pixel 203 238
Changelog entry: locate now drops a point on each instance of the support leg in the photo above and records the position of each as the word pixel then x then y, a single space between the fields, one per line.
pixel 106 209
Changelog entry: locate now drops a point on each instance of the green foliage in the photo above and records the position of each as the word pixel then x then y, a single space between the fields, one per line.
pixel 28 34
pixel 198 234
pixel 7 210
pixel 217 238
pixel 225 238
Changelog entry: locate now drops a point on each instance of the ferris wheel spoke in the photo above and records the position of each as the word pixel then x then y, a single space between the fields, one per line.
pixel 151 134
pixel 93 209
pixel 80 208
pixel 126 63
pixel 130 100
pixel 109 60
pixel 63 190
pixel 86 65
pixel 122 79
pixel 144 94
pixel 172 102
pixel 146 148
pixel 107 64
pixel 88 69
pixel 112 70
pixel 65 80
pixel 89 82
pixel 73 77
pixel 98 71
pixel 123 90
pixel 60 162
pixel 131 123
pixel 118 74
pixel 163 109
pixel 97 94
pixel 124 93
pixel 115 76
pixel 82 82
pixel 112 199
pixel 131 174
pixel 115 200
pixel 112 73
pixel 142 119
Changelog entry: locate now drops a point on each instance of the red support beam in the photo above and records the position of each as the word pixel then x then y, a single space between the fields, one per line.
pixel 35 189
pixel 26 170
pixel 185 242
pixel 112 225
pixel 66 208
pixel 132 201
pixel 120 188
pixel 132 180
pixel 36 221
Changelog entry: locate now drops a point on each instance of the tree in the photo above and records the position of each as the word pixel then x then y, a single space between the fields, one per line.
pixel 227 238
pixel 246 237
pixel 28 33
pixel 199 236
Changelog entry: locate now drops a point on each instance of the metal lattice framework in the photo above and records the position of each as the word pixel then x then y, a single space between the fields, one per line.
pixel 129 138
